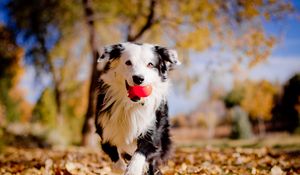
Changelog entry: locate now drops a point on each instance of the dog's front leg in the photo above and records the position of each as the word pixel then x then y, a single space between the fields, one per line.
pixel 136 165
pixel 145 147
pixel 118 164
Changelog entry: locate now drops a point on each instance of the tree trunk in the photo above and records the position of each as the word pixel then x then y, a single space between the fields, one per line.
pixel 88 128
pixel 261 127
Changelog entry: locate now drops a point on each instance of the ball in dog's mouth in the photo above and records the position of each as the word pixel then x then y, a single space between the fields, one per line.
pixel 135 93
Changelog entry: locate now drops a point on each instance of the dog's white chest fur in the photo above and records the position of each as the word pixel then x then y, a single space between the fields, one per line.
pixel 125 122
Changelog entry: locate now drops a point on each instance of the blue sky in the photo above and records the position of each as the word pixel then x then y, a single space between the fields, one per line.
pixel 282 64
pixel 288 33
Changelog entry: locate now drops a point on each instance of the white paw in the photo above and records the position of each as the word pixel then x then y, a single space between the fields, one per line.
pixel 136 165
pixel 119 167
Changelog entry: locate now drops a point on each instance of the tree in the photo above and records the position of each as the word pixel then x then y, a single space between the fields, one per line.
pixel 43 23
pixel 57 35
pixel 196 25
pixel 258 101
pixel 234 97
pixel 88 125
pixel 286 111
pixel 10 71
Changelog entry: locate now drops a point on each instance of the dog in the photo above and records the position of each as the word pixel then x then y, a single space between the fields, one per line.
pixel 134 131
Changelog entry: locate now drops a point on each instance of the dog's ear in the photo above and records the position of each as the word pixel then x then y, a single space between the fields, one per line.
pixel 111 52
pixel 167 59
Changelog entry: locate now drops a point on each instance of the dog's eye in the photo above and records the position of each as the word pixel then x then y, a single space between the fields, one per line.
pixel 150 65
pixel 128 63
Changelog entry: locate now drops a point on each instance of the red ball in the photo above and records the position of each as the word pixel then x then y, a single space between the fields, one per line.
pixel 139 91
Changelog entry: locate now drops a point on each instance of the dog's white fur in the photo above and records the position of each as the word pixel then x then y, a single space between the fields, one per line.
pixel 130 119
pixel 136 165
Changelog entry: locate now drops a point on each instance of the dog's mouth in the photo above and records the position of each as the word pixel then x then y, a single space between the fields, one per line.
pixel 132 97
pixel 136 93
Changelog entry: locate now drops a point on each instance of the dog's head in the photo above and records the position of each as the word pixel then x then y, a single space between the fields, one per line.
pixel 134 64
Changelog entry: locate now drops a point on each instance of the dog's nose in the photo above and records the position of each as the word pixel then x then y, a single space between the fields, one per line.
pixel 138 79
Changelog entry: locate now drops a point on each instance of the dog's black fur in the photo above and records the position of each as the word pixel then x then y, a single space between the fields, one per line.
pixel 155 145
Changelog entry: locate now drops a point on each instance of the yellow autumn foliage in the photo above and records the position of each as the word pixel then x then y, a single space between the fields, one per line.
pixel 258 99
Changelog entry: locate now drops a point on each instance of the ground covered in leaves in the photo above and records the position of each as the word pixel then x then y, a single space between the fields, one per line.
pixel 186 160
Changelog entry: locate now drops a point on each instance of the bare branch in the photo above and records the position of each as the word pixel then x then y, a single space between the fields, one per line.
pixel 149 23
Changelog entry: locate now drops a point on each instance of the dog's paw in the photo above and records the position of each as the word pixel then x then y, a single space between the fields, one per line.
pixel 119 167
pixel 136 165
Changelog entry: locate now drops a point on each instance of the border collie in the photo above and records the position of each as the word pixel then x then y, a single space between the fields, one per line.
pixel 134 130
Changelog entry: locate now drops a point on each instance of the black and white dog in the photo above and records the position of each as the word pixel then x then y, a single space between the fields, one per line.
pixel 136 130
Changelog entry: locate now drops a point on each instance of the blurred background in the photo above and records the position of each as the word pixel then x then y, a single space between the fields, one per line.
pixel 240 77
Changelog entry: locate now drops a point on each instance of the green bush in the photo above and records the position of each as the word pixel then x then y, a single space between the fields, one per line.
pixel 234 97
